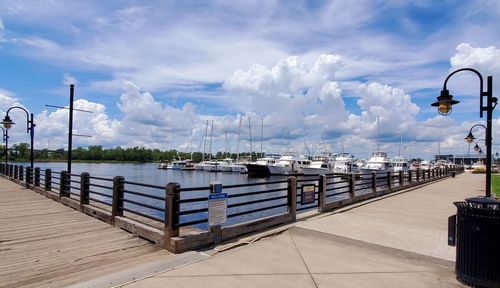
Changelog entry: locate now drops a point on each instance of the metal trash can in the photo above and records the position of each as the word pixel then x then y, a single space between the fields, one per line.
pixel 477 242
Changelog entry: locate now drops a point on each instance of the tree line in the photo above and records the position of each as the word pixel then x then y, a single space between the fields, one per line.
pixel 20 153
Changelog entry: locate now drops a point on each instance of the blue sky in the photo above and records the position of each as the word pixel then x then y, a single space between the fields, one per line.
pixel 317 73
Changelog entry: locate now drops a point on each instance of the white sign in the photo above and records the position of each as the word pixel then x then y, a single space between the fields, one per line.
pixel 217 209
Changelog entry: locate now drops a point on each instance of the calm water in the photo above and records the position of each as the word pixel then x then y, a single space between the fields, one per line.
pixel 150 174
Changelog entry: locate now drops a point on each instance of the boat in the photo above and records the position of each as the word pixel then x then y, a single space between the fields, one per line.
pixel 213 166
pixel 317 167
pixel 399 163
pixel 379 163
pixel 226 165
pixel 345 163
pixel 189 166
pixel 162 165
pixel 176 164
pixel 289 164
pixel 260 168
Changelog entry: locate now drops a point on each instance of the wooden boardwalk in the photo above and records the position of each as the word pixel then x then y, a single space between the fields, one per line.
pixel 46 244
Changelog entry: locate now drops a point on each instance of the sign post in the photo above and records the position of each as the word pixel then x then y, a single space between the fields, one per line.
pixel 217 210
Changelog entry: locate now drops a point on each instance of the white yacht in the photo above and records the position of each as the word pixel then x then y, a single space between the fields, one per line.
pixel 177 164
pixel 399 163
pixel 289 164
pixel 317 167
pixel 345 163
pixel 379 163
pixel 227 165
pixel 213 166
pixel 162 165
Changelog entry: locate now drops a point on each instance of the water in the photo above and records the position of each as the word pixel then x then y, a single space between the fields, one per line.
pixel 149 173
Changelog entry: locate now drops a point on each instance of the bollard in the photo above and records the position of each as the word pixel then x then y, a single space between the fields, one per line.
pixel 352 185
pixel 389 180
pixel 64 185
pixel 29 176
pixel 418 175
pixel 374 182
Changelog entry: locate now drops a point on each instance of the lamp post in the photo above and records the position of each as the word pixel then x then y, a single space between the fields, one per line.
pixel 30 127
pixel 445 101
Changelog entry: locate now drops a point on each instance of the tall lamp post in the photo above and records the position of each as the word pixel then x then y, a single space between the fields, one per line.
pixel 445 101
pixel 30 127
pixel 5 139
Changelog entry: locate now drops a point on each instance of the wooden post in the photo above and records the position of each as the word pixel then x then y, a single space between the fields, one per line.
pixel 418 175
pixel 37 177
pixel 118 194
pixel 401 180
pixel 322 192
pixel 410 176
pixel 64 185
pixel 48 180
pixel 292 197
pixel 84 189
pixel 172 208
pixel 352 185
pixel 389 180
pixel 29 176
pixel 11 171
pixel 374 182
pixel 16 172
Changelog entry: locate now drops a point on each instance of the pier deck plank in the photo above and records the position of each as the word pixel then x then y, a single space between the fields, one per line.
pixel 46 244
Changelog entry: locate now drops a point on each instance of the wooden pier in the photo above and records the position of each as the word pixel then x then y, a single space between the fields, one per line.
pixel 46 244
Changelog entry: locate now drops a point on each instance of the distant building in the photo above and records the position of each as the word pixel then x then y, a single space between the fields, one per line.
pixel 463 159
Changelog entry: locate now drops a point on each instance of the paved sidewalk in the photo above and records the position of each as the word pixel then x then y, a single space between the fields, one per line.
pixel 395 241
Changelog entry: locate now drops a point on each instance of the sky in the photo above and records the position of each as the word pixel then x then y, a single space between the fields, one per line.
pixel 300 76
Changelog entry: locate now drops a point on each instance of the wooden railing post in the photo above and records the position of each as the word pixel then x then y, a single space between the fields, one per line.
pixel 118 194
pixel 389 180
pixel 16 172
pixel 11 170
pixel 352 185
pixel 172 208
pixel 37 177
pixel 84 189
pixel 29 176
pixel 410 176
pixel 48 180
pixel 401 179
pixel 374 182
pixel 292 197
pixel 321 192
pixel 64 185
pixel 418 174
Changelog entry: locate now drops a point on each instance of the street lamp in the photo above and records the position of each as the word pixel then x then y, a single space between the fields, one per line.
pixel 30 127
pixel 445 102
pixel 470 137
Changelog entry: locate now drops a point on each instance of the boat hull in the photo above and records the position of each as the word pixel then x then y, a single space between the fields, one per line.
pixel 257 170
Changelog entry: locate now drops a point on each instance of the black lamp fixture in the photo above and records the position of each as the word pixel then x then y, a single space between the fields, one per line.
pixel 30 127
pixel 445 102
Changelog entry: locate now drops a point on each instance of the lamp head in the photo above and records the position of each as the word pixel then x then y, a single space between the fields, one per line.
pixel 470 138
pixel 476 148
pixel 7 122
pixel 444 102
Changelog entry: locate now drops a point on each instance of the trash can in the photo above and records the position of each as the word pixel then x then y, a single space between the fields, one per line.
pixel 478 242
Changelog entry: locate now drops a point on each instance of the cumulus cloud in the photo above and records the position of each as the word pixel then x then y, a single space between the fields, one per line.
pixel 68 79
pixel 486 60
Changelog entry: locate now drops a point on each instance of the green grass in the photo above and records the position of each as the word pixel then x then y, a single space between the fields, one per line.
pixel 495 184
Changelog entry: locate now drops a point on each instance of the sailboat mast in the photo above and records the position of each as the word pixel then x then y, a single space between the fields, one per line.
pixel 378 132
pixel 400 143
pixel 239 137
pixel 211 138
pixel 250 133
pixel 261 135
pixel 205 142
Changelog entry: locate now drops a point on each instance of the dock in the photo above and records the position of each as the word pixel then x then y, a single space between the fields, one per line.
pixel 393 240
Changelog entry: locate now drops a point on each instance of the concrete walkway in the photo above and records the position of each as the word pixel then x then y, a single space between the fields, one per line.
pixel 396 241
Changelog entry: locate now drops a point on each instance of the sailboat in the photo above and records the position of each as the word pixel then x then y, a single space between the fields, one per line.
pixel 399 163
pixel 238 166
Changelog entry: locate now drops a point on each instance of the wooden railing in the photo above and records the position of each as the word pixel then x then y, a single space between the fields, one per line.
pixel 176 217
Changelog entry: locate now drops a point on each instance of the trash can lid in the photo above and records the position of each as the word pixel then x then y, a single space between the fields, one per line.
pixel 482 200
